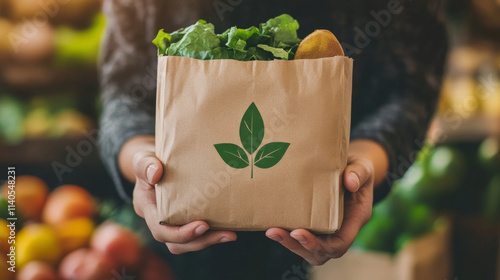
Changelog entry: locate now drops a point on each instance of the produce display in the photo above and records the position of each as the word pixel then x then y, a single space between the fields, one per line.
pixel 76 12
pixel 12 113
pixel 66 234
pixel 45 67
pixel 78 47
pixel 448 178
pixel 69 37
pixel 49 117
pixel 472 86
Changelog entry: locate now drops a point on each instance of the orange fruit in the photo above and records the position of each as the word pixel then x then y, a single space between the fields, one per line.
pixel 66 203
pixel 118 243
pixel 321 43
pixel 86 264
pixel 30 195
pixel 75 234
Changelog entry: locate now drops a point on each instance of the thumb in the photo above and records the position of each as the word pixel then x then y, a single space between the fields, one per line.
pixel 356 175
pixel 147 167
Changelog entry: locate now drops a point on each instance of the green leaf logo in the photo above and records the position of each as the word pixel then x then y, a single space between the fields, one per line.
pixel 233 155
pixel 270 154
pixel 251 136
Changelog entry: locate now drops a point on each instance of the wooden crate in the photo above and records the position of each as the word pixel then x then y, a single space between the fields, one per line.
pixel 426 258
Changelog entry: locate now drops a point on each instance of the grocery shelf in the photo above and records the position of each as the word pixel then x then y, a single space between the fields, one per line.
pixel 456 128
pixel 42 76
pixel 40 151
pixel 37 157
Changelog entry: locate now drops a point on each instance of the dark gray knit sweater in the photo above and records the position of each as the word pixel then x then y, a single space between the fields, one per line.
pixel 398 47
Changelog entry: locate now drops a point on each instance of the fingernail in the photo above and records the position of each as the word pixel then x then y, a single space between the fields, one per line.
pixel 355 177
pixel 150 173
pixel 276 238
pixel 200 230
pixel 224 240
pixel 300 238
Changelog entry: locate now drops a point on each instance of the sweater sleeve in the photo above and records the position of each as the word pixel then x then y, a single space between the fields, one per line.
pixel 128 81
pixel 409 64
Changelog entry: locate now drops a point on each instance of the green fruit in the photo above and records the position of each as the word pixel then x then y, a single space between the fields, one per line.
pixel 393 206
pixel 11 120
pixel 433 177
pixel 489 153
pixel 417 186
pixel 447 166
pixel 491 200
pixel 420 220
pixel 377 235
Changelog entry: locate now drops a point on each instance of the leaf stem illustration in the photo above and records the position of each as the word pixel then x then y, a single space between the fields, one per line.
pixel 251 145
pixel 251 172
pixel 251 136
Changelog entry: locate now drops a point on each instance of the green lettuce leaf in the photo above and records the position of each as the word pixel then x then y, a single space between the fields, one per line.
pixel 275 39
pixel 277 52
pixel 283 31
pixel 162 41
pixel 199 41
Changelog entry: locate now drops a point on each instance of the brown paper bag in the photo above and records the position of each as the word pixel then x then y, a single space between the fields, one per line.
pixel 253 145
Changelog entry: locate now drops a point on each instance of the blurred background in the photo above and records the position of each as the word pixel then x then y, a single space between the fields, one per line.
pixel 441 220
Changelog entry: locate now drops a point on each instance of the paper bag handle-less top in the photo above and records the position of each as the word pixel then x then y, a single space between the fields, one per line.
pixel 253 145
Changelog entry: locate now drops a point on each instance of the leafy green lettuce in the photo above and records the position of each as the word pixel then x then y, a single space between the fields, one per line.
pixel 274 39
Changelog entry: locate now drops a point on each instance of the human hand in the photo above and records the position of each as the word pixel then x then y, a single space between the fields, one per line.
pixel 359 179
pixel 148 170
